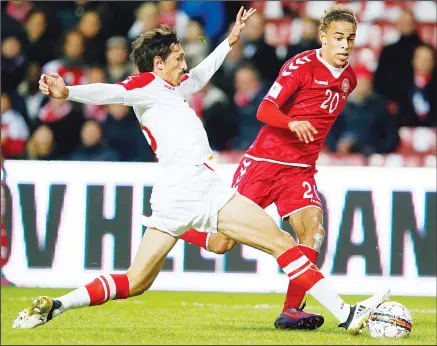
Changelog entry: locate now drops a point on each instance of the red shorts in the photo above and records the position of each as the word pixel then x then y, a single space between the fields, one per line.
pixel 291 188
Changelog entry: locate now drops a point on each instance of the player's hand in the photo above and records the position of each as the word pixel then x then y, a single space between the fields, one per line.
pixel 53 85
pixel 303 129
pixel 239 25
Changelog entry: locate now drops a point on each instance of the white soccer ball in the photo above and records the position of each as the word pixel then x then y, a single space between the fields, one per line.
pixel 390 320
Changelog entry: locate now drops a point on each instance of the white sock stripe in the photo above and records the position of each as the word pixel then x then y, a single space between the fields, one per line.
pixel 111 283
pixel 104 288
pixel 300 272
pixel 295 264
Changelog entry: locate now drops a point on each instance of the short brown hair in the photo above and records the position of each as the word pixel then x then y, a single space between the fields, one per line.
pixel 157 42
pixel 337 13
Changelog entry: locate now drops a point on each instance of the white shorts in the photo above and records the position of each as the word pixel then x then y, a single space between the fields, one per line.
pixel 185 197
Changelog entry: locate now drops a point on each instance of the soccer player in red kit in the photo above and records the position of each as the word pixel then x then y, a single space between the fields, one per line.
pixel 299 110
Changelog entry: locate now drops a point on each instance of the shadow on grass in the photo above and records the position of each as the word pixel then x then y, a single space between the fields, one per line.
pixel 267 329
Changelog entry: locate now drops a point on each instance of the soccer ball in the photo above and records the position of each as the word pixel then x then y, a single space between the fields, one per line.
pixel 390 320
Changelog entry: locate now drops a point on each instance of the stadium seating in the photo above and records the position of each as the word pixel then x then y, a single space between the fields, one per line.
pixel 416 149
pixel 377 26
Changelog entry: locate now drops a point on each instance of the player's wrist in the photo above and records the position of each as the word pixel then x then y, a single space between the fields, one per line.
pixel 292 124
pixel 65 93
pixel 232 39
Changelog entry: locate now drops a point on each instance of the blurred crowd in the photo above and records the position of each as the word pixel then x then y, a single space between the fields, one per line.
pixel 89 42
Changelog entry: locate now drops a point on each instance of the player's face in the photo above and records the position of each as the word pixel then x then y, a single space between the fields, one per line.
pixel 338 42
pixel 175 65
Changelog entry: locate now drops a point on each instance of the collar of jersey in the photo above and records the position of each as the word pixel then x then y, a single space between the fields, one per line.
pixel 165 80
pixel 335 71
pixel 168 82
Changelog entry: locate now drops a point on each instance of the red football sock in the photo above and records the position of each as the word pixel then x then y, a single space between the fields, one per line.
pixel 97 292
pixel 302 272
pixel 299 268
pixel 106 287
pixel 196 238
pixel 295 293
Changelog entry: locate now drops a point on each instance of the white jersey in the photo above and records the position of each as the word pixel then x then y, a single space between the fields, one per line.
pixel 170 125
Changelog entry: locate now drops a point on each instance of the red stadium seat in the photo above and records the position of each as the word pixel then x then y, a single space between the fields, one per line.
pixel 333 159
pixel 419 140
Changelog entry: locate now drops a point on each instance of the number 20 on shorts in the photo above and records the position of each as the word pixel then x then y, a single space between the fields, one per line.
pixel 309 190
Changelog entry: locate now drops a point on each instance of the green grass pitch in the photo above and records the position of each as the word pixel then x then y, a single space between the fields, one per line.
pixel 194 318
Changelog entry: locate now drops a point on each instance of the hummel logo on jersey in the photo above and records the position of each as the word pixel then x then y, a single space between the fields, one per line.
pixel 246 163
pixel 322 82
pixel 294 65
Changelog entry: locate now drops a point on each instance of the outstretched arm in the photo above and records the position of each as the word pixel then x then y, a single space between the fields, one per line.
pixel 202 73
pixel 97 94
pixel 53 85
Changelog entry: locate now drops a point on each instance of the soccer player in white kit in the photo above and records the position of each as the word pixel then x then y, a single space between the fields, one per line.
pixel 188 193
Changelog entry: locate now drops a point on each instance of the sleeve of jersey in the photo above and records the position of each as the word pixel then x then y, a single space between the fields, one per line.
pixel 283 88
pixel 197 78
pixel 268 113
pixel 97 94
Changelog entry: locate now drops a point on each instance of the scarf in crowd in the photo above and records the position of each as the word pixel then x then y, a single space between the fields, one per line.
pixel 420 104
pixel 242 99
pixel 51 114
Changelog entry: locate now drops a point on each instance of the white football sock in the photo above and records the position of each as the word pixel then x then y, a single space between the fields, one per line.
pixel 323 292
pixel 73 300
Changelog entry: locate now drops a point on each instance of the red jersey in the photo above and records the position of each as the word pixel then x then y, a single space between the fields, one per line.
pixel 307 88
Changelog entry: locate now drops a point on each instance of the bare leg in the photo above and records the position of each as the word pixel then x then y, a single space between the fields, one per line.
pixel 307 224
pixel 148 262
pixel 150 258
pixel 246 222
pixel 220 244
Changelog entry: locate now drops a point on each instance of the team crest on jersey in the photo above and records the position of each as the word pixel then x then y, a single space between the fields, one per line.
pixel 345 85
pixel 345 88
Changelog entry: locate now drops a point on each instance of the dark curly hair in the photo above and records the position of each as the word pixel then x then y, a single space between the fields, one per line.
pixel 157 42
pixel 337 13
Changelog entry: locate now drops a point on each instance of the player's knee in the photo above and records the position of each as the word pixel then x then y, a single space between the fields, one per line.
pixel 286 236
pixel 222 246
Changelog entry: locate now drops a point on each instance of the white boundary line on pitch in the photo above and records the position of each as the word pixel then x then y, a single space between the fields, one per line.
pixel 224 306
pixel 275 306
